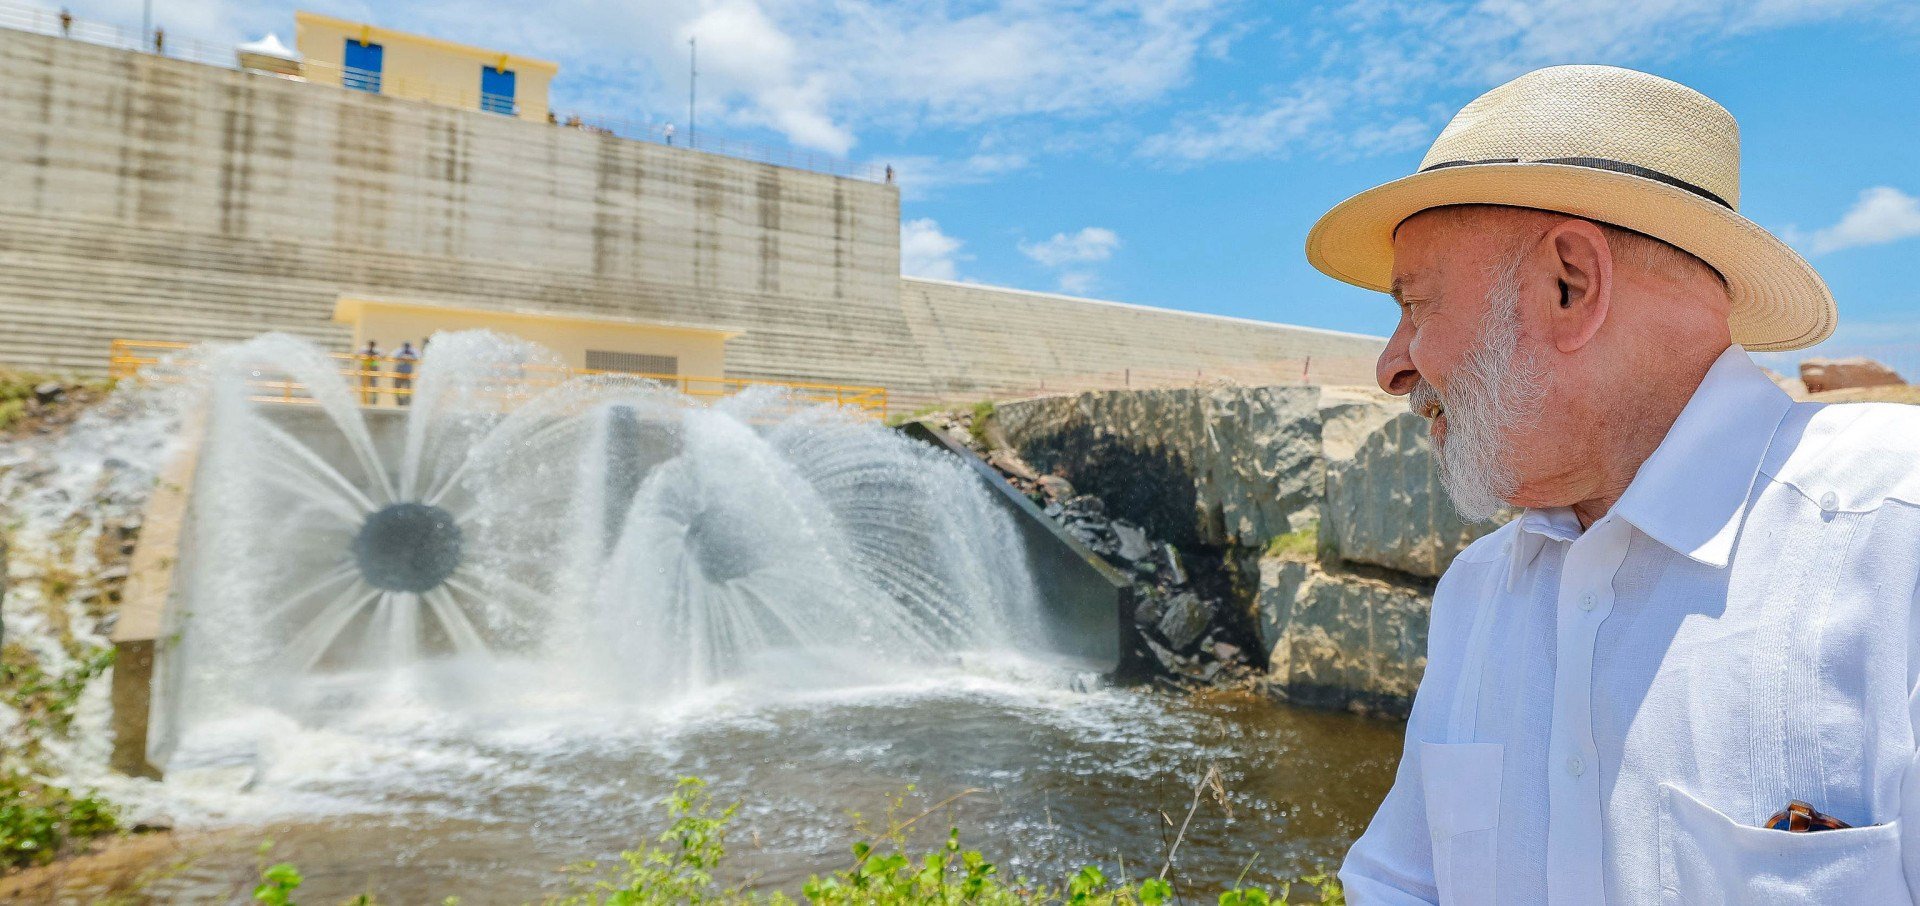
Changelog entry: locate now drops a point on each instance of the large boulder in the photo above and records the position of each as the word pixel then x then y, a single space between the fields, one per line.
pixel 1339 639
pixel 1221 465
pixel 1821 375
pixel 1385 505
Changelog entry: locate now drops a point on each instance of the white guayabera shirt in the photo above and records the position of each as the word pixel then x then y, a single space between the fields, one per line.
pixel 1611 715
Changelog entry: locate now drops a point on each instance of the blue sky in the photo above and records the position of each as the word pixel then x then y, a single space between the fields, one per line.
pixel 1174 152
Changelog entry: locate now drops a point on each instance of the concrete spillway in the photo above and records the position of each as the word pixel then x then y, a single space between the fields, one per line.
pixel 504 544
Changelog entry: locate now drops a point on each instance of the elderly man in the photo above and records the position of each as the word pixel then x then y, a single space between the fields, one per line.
pixel 1685 671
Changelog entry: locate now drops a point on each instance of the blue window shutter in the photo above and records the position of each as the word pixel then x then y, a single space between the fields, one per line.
pixel 362 69
pixel 496 90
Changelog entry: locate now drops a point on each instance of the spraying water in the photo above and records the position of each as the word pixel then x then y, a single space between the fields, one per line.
pixel 509 537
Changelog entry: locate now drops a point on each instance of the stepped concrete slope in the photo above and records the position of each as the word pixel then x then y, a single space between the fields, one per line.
pixel 161 199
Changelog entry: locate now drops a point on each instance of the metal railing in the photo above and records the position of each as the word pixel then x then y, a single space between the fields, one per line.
pixel 381 383
pixel 41 20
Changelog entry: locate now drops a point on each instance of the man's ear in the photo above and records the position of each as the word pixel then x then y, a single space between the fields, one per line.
pixel 1581 266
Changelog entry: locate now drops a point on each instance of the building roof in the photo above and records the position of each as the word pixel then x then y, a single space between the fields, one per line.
pixel 370 32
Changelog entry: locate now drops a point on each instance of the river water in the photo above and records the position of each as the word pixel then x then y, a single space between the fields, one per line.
pixel 415 805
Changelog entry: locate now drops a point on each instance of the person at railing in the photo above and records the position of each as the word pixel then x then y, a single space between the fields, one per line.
pixel 668 132
pixel 403 362
pixel 370 374
pixel 66 23
pixel 160 41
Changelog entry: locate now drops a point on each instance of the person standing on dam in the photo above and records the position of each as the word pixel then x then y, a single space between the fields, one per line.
pixel 370 374
pixel 403 365
pixel 1685 670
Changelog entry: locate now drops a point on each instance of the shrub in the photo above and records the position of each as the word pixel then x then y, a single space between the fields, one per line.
pixel 1302 543
pixel 38 819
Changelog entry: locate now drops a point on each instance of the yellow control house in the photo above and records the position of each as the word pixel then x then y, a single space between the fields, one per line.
pixel 377 60
pixel 584 343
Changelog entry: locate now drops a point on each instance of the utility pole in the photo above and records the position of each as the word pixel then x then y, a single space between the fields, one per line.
pixel 693 79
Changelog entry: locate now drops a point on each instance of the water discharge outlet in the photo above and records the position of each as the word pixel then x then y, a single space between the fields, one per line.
pixel 410 547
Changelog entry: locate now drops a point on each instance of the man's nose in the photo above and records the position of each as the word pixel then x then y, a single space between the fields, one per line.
pixel 1395 370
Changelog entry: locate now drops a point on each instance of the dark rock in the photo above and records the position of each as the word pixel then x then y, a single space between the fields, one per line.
pixel 1010 463
pixel 1055 487
pixel 1186 618
pixel 1149 610
pixel 1133 541
pixel 1174 571
pixel 49 392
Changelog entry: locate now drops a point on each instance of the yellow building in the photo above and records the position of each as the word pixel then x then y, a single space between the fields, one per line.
pixel 383 61
pixel 694 354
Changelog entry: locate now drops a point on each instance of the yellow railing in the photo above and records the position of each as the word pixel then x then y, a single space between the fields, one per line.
pixel 381 382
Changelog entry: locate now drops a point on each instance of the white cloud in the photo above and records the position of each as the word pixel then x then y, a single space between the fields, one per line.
pixel 1089 245
pixel 1069 254
pixel 925 251
pixel 1076 283
pixel 922 176
pixel 1883 214
pixel 819 72
pixel 1375 69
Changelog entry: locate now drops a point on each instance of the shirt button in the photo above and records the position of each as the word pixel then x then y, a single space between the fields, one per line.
pixel 1829 502
pixel 1575 766
pixel 1586 601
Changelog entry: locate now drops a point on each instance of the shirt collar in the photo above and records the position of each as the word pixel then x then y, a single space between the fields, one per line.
pixel 1691 494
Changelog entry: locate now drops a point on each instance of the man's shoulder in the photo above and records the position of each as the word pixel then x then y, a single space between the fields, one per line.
pixel 1865 453
pixel 1491 546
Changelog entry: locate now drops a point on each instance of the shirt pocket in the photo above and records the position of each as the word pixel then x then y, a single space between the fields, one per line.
pixel 1461 783
pixel 1706 857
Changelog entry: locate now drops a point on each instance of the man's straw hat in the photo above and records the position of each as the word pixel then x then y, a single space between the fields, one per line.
pixel 1607 144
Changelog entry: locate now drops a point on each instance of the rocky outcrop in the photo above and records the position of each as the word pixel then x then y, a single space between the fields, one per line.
pixel 1385 506
pixel 1215 466
pixel 1336 638
pixel 1342 483
pixel 1821 375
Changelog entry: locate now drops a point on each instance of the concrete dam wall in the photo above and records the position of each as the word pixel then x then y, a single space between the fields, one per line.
pixel 152 198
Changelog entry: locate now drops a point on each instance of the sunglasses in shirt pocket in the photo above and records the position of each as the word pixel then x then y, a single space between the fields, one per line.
pixel 1707 857
pixel 1461 784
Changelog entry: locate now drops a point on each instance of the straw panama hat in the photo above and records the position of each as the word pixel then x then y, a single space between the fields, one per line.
pixel 1607 144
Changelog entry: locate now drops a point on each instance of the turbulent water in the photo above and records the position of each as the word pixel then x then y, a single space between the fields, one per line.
pixel 510 545
pixel 450 649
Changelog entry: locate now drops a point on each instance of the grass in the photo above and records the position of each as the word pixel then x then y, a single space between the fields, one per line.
pixel 38 820
pixel 982 411
pixel 683 866
pixel 16 391
pixel 1299 544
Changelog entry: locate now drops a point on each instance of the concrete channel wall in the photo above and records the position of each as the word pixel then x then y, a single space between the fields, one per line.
pixel 151 198
pixel 1088 603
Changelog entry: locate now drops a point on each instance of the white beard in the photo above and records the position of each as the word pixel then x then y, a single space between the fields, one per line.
pixel 1491 393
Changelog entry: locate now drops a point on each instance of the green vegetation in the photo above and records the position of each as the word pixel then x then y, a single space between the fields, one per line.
pixel 682 866
pixel 1303 543
pixel 16 391
pixel 898 419
pixel 45 703
pixel 38 819
pixel 982 411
